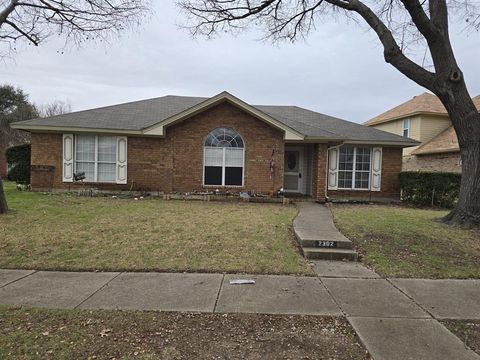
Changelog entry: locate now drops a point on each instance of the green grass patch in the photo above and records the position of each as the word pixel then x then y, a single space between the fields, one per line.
pixel 410 242
pixel 68 232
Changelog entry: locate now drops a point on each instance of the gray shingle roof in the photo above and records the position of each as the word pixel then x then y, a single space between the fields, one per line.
pixel 139 115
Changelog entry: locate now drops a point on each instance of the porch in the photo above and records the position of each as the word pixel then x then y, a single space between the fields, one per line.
pixel 304 176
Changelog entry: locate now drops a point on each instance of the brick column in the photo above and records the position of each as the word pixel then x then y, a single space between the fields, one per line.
pixel 319 180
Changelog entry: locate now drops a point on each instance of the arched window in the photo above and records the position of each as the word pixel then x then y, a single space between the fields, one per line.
pixel 223 158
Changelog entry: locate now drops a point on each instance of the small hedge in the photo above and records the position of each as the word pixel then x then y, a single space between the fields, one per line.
pixel 18 160
pixel 430 188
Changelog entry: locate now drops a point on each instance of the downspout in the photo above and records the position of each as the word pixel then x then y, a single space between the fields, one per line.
pixel 326 168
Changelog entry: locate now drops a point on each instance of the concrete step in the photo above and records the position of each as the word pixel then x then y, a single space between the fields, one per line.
pixel 330 254
pixel 326 244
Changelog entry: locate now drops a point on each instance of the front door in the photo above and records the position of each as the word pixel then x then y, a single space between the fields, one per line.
pixel 292 170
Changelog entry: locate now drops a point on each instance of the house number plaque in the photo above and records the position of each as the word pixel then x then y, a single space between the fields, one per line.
pixel 325 244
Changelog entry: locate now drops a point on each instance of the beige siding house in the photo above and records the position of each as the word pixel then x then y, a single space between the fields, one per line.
pixel 424 119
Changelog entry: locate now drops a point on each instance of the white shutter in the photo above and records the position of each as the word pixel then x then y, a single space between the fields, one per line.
pixel 121 168
pixel 67 158
pixel 376 169
pixel 333 169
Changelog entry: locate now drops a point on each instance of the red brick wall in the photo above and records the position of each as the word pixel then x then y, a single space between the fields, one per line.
pixel 444 162
pixel 319 181
pixel 149 164
pixel 175 163
pixel 390 186
pixel 188 138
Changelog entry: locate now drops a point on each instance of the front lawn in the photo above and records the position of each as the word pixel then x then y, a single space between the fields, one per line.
pixel 408 242
pixel 81 334
pixel 68 232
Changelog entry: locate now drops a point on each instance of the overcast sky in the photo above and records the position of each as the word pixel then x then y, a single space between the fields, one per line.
pixel 338 71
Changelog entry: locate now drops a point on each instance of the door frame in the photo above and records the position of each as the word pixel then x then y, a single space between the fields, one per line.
pixel 301 154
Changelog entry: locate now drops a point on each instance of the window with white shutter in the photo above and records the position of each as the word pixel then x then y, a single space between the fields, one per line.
pixel 354 168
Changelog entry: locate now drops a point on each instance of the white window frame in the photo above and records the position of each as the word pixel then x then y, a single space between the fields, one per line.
pixel 95 161
pixel 406 128
pixel 354 170
pixel 223 167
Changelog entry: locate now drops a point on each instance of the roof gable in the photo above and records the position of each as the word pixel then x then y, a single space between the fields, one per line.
pixel 160 128
pixel 423 103
pixel 444 142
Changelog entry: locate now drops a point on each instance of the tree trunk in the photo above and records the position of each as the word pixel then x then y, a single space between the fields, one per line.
pixel 3 199
pixel 466 121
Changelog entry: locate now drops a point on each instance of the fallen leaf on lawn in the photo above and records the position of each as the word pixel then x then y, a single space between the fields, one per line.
pixel 105 332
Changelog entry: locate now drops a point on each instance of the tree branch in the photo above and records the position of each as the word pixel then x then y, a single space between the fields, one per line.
pixel 392 52
pixel 30 38
pixel 7 11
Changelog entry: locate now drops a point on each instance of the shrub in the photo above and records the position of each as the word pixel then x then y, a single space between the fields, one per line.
pixel 18 160
pixel 430 188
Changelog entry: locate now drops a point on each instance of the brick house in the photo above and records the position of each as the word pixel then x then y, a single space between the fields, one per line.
pixel 425 119
pixel 188 144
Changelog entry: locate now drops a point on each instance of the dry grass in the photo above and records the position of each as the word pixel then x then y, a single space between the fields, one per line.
pixel 67 232
pixel 409 242
pixel 82 334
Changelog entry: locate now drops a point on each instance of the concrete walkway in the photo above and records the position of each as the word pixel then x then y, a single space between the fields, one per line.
pixel 319 237
pixel 394 318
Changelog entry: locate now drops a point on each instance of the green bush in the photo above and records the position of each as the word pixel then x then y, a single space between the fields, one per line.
pixel 430 188
pixel 18 160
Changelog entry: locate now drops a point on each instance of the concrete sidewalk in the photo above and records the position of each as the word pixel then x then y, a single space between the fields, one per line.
pixel 394 318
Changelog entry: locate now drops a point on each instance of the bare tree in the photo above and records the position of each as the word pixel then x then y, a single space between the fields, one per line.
pixel 56 107
pixel 33 21
pixel 397 24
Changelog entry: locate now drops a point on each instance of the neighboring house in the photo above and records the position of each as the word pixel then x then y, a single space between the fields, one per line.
pixel 187 144
pixel 425 119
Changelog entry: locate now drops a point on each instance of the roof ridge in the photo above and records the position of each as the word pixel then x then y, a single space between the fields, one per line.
pixel 306 123
pixel 107 107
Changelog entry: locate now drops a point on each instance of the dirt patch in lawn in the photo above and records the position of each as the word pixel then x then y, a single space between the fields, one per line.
pixel 39 333
pixel 402 241
pixel 466 330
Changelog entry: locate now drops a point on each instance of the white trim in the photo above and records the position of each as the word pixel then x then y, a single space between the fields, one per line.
pixel 159 129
